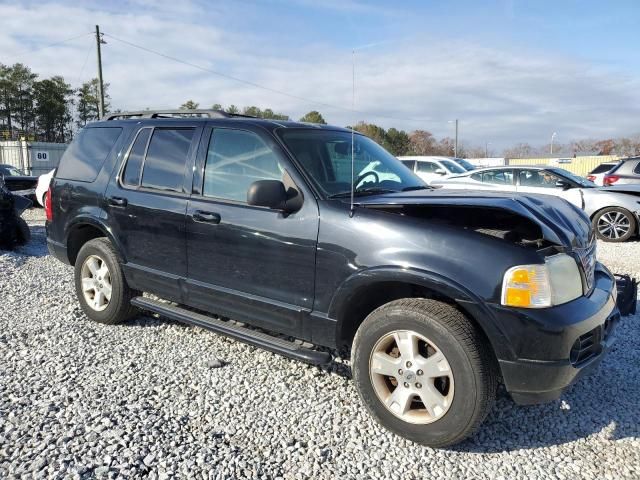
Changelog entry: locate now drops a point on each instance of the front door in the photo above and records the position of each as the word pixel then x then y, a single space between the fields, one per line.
pixel 249 263
pixel 147 204
pixel 429 171
pixel 547 183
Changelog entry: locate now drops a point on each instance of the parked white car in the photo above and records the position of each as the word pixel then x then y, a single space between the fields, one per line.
pixel 432 168
pixel 614 211
pixel 597 174
pixel 43 185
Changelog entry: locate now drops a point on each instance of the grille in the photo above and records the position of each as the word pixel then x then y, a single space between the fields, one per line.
pixel 586 346
pixel 587 258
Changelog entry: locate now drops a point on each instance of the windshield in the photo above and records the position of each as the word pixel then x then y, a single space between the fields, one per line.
pixel 325 155
pixel 464 164
pixel 452 166
pixel 583 182
pixel 10 171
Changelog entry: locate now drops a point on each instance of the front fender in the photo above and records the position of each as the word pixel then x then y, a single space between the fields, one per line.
pixel 466 300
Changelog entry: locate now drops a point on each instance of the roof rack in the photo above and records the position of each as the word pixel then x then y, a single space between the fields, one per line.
pixel 173 114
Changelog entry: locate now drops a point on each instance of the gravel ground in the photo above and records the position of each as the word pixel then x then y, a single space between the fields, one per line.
pixel 146 399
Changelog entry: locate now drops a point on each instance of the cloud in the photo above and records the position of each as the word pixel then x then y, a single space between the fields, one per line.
pixel 501 95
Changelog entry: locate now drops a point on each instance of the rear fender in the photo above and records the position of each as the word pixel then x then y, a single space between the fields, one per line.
pixel 93 221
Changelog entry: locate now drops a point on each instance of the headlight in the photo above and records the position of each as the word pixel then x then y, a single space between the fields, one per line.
pixel 555 282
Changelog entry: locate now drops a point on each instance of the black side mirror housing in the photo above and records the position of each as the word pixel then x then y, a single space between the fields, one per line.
pixel 268 193
pixel 562 184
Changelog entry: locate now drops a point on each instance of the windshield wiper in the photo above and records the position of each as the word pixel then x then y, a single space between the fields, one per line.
pixel 363 191
pixel 416 187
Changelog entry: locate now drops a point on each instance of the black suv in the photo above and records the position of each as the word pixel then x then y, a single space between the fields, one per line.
pixel 439 294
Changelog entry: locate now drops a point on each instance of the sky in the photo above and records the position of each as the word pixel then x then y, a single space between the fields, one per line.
pixel 510 71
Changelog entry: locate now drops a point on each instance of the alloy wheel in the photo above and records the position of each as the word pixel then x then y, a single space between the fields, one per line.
pixel 96 283
pixel 411 377
pixel 614 224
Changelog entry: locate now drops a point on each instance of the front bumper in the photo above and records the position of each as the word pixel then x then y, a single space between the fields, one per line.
pixel 554 347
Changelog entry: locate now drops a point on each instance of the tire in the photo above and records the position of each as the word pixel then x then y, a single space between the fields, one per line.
pixel 464 396
pixel 614 224
pixel 92 257
pixel 23 233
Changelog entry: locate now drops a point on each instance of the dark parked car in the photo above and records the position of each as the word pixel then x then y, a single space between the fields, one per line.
pixel 14 230
pixel 439 294
pixel 19 183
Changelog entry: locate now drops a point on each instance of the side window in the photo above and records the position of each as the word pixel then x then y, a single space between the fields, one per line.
pixel 498 177
pixel 477 176
pixel 410 164
pixel 427 167
pixel 236 159
pixel 133 167
pixel 537 178
pixel 85 156
pixel 637 169
pixel 166 159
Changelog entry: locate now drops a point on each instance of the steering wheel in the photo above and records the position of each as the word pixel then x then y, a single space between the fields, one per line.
pixel 365 175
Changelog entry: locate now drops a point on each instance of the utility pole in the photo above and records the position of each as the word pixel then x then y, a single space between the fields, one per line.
pixel 455 145
pixel 486 149
pixel 551 146
pixel 100 85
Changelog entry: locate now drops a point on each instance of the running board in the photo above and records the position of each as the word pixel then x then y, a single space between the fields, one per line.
pixel 246 335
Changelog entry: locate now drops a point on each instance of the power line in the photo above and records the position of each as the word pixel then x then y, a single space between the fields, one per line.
pixel 60 42
pixel 84 64
pixel 256 85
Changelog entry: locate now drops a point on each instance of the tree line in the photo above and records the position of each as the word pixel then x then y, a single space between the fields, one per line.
pixel 52 110
pixel 398 142
pixel 44 109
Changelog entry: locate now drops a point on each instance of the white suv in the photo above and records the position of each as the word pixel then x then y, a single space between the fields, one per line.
pixel 432 168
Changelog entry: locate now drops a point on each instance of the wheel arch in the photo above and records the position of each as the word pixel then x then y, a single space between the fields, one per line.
pixel 84 229
pixel 368 290
pixel 634 214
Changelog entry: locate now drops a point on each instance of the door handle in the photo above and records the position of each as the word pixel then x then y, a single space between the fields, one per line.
pixel 118 201
pixel 203 216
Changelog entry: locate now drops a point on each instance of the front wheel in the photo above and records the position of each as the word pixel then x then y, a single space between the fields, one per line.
pixel 614 224
pixel 424 371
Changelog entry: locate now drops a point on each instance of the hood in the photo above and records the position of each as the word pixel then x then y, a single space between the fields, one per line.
pixel 561 223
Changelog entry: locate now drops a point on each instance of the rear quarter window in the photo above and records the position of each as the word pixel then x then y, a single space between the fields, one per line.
pixel 85 156
pixel 603 168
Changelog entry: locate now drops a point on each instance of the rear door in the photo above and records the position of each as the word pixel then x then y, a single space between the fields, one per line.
pixel 147 204
pixel 246 262
pixel 497 179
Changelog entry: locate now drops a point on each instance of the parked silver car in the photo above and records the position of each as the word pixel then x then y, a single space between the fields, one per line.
pixel 626 171
pixel 614 210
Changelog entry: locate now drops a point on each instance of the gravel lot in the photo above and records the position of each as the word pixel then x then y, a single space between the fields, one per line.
pixel 144 399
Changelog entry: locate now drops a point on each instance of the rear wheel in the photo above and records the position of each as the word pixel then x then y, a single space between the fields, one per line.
pixel 614 224
pixel 101 287
pixel 424 371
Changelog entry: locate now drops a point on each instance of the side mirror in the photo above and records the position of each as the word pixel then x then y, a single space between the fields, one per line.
pixel 441 171
pixel 268 193
pixel 563 185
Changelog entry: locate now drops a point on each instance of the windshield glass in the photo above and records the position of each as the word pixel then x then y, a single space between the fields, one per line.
pixel 452 166
pixel 583 182
pixel 464 164
pixel 326 157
